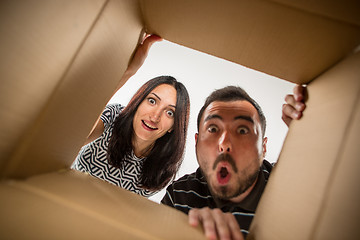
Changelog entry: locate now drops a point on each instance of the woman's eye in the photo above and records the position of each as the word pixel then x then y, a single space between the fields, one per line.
pixel 151 101
pixel 243 130
pixel 212 129
pixel 170 113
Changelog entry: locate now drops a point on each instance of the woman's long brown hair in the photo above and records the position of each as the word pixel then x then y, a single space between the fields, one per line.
pixel 165 158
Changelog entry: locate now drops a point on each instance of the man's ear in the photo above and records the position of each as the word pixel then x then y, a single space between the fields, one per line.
pixel 264 146
pixel 196 137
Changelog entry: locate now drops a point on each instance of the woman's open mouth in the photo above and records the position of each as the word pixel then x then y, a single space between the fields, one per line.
pixel 147 126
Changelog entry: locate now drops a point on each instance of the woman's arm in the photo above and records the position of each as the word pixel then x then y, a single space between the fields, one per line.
pixel 138 59
pixel 136 62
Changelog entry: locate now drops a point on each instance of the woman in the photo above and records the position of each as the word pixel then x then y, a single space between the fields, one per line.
pixel 140 147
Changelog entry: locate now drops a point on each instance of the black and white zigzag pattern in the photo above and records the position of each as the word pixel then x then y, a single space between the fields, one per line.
pixel 92 159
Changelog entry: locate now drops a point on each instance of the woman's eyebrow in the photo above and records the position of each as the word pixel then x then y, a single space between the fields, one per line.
pixel 160 99
pixel 156 96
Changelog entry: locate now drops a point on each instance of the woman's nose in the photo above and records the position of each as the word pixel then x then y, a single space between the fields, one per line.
pixel 155 116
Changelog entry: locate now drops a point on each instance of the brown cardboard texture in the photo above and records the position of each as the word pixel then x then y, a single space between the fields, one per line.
pixel 72 205
pixel 74 55
pixel 60 62
pixel 315 182
pixel 295 43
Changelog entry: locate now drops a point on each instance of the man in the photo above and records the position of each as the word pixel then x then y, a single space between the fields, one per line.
pixel 234 187
pixel 223 193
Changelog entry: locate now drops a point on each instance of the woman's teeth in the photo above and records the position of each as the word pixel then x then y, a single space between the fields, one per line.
pixel 151 127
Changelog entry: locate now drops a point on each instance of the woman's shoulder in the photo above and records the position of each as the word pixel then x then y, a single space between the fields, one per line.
pixel 115 107
pixel 111 112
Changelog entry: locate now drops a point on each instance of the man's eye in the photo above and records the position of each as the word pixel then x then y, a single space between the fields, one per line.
pixel 170 113
pixel 243 130
pixel 212 129
pixel 151 101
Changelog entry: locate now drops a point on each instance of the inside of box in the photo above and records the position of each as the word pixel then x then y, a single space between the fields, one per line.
pixel 64 59
pixel 315 172
pixel 279 38
pixel 73 57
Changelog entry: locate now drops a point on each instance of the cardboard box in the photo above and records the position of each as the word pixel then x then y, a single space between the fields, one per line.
pixel 61 60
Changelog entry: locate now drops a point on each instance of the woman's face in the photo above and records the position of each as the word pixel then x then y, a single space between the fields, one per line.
pixel 155 115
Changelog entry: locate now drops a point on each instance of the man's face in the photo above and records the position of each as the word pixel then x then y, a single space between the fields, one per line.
pixel 230 147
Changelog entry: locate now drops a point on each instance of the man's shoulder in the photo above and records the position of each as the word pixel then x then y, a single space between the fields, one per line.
pixel 188 192
pixel 192 185
pixel 266 168
pixel 190 180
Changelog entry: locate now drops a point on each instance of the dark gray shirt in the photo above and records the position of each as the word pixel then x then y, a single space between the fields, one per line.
pixel 191 191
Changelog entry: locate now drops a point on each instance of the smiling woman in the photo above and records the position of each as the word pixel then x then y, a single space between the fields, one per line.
pixel 139 147
pixel 154 117
pixel 155 134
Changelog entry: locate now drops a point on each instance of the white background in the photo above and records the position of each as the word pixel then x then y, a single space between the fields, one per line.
pixel 201 74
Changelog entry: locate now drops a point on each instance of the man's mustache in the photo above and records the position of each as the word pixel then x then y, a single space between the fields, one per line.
pixel 224 157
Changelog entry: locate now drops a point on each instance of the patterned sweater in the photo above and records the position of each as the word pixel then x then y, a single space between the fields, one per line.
pixel 92 158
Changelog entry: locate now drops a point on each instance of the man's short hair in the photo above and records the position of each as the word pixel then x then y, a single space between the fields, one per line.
pixel 229 94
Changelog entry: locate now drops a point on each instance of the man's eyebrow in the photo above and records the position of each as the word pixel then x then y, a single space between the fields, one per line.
pixel 212 117
pixel 244 117
pixel 160 100
pixel 247 118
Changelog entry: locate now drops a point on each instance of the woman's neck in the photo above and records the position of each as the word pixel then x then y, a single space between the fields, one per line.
pixel 142 148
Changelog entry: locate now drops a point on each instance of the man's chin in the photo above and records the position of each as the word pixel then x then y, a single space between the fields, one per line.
pixel 223 192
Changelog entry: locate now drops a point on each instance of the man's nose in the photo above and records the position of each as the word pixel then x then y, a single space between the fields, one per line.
pixel 225 142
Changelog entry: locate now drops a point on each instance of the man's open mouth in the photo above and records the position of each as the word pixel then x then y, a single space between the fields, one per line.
pixel 223 172
pixel 223 175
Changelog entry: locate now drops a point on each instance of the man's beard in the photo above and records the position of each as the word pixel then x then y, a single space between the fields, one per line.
pixel 224 157
pixel 243 184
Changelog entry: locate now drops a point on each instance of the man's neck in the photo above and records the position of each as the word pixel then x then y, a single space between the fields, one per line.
pixel 242 196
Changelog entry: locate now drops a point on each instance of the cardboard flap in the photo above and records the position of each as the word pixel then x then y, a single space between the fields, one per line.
pixel 292 43
pixel 74 205
pixel 344 11
pixel 71 57
pixel 317 163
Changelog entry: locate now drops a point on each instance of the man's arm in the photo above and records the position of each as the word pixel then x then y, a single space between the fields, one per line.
pixel 167 199
pixel 295 105
pixel 216 224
